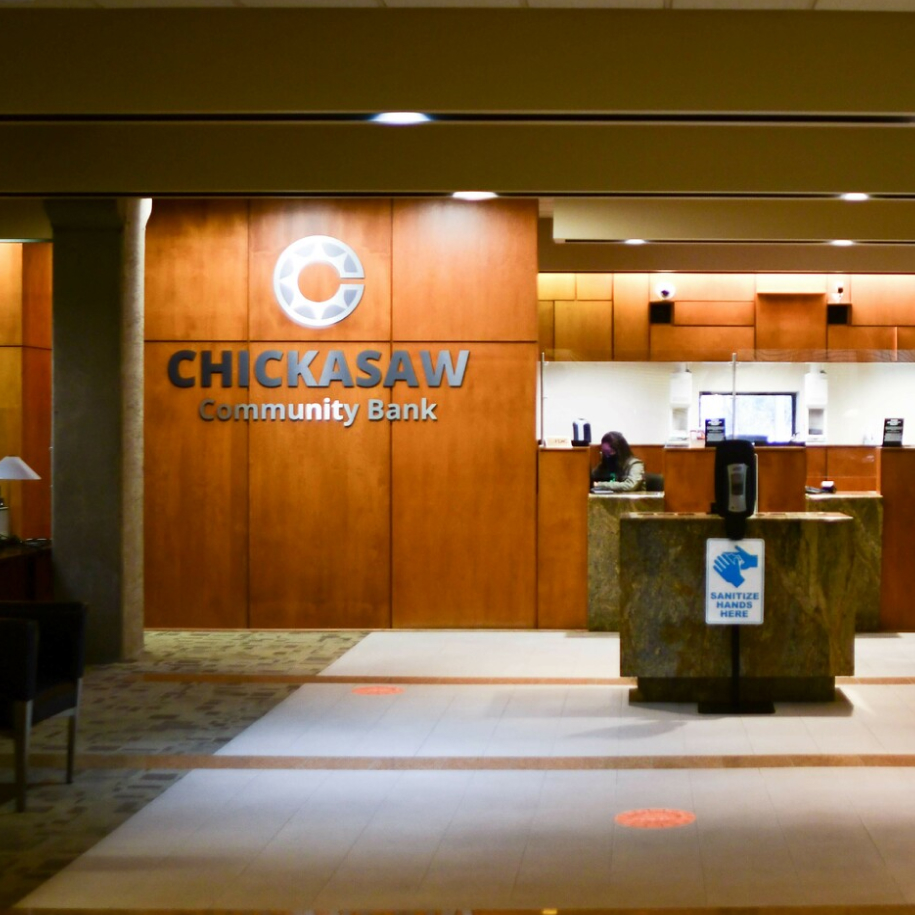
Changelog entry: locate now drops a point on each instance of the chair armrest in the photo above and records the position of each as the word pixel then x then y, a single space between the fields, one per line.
pixel 62 632
pixel 18 659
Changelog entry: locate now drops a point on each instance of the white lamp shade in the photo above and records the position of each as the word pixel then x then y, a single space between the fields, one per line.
pixel 14 468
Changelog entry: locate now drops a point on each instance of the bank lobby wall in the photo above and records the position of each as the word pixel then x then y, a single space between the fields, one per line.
pixel 25 382
pixel 310 524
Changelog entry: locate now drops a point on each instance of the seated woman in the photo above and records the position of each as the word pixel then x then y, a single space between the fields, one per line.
pixel 619 470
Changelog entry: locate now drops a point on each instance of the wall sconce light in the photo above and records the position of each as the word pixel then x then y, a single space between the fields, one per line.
pixel 12 468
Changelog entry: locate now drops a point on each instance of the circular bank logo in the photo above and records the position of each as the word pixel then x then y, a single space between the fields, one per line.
pixel 317 249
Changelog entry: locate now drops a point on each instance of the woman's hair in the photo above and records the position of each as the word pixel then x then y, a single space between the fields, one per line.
pixel 620 445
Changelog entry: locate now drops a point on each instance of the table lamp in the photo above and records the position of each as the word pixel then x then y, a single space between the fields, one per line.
pixel 12 468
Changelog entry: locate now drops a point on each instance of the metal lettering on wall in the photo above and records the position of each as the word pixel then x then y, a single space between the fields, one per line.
pixel 313 368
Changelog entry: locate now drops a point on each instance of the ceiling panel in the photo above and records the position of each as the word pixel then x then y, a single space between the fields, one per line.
pixel 742 4
pixel 749 5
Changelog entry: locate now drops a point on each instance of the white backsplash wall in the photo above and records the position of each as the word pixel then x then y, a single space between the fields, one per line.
pixel 634 397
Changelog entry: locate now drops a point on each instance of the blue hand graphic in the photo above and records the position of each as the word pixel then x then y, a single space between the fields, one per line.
pixel 747 560
pixel 727 565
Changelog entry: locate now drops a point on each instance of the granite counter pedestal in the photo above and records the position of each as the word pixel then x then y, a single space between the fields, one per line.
pixel 806 638
pixel 604 512
pixel 866 510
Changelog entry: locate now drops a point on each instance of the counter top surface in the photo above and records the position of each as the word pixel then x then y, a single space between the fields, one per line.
pixel 846 494
pixel 761 517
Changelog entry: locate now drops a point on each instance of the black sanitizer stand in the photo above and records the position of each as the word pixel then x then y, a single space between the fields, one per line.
pixel 735 528
pixel 735 704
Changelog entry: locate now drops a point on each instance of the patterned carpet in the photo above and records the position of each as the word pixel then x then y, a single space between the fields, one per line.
pixel 124 712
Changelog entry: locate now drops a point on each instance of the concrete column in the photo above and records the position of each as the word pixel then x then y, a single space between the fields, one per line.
pixel 97 426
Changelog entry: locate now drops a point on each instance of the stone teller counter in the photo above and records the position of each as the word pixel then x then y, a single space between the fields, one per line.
pixel 807 635
pixel 580 564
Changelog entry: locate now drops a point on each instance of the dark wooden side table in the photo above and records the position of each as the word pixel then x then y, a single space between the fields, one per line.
pixel 25 573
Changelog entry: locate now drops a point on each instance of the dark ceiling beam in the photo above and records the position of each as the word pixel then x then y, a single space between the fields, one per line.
pixel 111 158
pixel 288 61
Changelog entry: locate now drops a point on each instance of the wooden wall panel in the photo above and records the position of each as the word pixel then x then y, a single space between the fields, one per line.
pixel 816 465
pixel 652 457
pixel 897 471
pixel 465 272
pixel 849 343
pixel 780 284
pixel 583 330
pixel 670 343
pixel 36 442
pixel 689 479
pixel 852 467
pixel 464 498
pixel 197 270
pixel 887 299
pixel 714 287
pixel 562 539
pixel 556 286
pixel 630 308
pixel 37 294
pixel 196 516
pixel 11 427
pixel 10 294
pixel 545 327
pixel 781 478
pixel 320 512
pixel 593 286
pixel 733 313
pixel 364 225
pixel 905 344
pixel 790 327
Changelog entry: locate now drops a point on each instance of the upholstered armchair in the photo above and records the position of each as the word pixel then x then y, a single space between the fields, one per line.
pixel 42 656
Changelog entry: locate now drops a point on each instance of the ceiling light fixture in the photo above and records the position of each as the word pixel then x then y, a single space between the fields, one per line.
pixel 842 243
pixel 634 242
pixel 401 118
pixel 474 195
pixel 856 195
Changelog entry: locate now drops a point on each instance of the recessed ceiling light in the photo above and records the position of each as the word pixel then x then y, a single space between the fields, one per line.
pixel 634 242
pixel 401 118
pixel 842 243
pixel 474 195
pixel 856 195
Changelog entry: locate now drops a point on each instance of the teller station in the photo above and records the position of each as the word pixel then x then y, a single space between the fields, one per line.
pixel 835 564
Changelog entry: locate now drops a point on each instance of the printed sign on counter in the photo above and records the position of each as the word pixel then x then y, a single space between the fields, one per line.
pixel 734 580
pixel 714 431
pixel 892 431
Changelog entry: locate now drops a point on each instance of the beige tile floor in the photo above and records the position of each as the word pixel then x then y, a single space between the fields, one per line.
pixel 471 789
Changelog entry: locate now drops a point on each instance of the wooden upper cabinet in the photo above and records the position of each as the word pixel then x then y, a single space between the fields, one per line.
pixel 10 294
pixel 465 271
pixel 905 345
pixel 545 327
pixel 583 330
pixel 593 286
pixel 882 299
pixel 791 328
pixel 850 344
pixel 711 287
pixel 670 343
pixel 630 324
pixel 37 268
pixel 715 313
pixel 197 270
pixel 791 284
pixel 556 286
